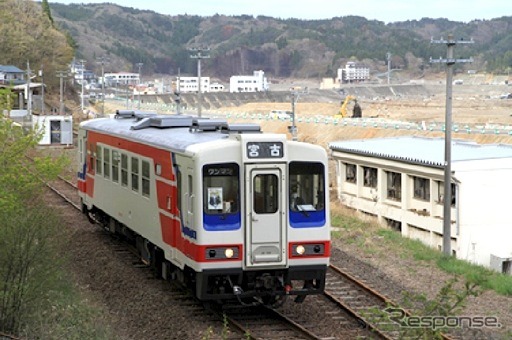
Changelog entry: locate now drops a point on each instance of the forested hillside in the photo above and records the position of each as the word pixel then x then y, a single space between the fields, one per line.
pixel 29 35
pixel 280 47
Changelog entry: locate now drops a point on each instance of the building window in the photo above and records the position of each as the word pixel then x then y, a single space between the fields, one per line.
pixel 370 177
pixel 135 173
pixel 145 178
pixel 440 190
pixel 394 185
pixel 421 188
pixel 124 170
pixel 350 173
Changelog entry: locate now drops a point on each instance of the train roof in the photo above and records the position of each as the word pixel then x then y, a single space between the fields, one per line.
pixel 176 132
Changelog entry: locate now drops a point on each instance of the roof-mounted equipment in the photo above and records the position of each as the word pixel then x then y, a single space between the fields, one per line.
pixel 241 128
pixel 133 114
pixel 205 124
pixel 163 122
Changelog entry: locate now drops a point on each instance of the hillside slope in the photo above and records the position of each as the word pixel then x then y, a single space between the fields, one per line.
pixel 282 48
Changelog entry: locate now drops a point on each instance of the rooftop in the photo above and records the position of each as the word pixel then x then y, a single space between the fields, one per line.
pixel 423 150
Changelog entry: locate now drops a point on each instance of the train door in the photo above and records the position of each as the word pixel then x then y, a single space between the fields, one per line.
pixel 265 237
pixel 187 187
pixel 85 157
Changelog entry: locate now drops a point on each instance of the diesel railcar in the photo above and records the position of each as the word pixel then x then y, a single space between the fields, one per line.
pixel 229 211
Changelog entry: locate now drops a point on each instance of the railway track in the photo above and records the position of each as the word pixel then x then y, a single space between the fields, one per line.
pixel 264 323
pixel 365 303
pixel 249 323
pixel 347 301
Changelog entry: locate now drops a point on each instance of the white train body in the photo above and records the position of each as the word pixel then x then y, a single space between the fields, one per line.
pixel 230 211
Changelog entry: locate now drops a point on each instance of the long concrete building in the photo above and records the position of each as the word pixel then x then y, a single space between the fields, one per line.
pixel 400 180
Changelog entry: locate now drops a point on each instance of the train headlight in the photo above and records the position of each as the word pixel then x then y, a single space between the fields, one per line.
pixel 300 250
pixel 309 249
pixel 229 253
pixel 222 253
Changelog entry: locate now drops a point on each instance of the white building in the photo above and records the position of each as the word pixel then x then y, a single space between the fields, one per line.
pixel 400 181
pixel 353 73
pixel 56 129
pixel 216 87
pixel 255 83
pixel 189 84
pixel 121 78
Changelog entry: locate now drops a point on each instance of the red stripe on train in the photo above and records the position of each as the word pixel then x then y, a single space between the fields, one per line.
pixel 172 235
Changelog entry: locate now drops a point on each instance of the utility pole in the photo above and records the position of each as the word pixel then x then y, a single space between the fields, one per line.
pixel 29 92
pixel 178 93
pixel 199 55
pixel 138 85
pixel 82 62
pixel 41 74
pixel 102 61
pixel 447 199
pixel 295 97
pixel 388 58
pixel 61 75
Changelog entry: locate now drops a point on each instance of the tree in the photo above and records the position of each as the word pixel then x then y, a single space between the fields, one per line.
pixel 47 11
pixel 28 35
pixel 27 230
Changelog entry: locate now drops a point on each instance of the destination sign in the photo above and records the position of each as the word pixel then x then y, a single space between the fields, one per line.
pixel 265 150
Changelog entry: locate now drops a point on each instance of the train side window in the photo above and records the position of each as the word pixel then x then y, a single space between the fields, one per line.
pixel 98 159
pixel 124 170
pixel 106 162
pixel 145 178
pixel 307 189
pixel 221 188
pixel 135 174
pixel 115 166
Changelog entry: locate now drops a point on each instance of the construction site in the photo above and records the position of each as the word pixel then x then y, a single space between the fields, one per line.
pixel 480 109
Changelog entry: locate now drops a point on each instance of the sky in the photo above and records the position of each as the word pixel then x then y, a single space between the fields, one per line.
pixel 382 10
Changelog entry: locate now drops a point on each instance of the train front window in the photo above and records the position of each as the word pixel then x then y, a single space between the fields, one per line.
pixel 307 189
pixel 221 188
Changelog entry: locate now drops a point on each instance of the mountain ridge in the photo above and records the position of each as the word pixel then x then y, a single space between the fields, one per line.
pixel 283 48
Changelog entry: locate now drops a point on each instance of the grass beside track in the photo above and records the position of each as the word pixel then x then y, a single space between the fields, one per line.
pixel 375 239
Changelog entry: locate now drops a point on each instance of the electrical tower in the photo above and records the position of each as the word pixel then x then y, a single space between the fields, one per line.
pixel 200 53
pixel 447 198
